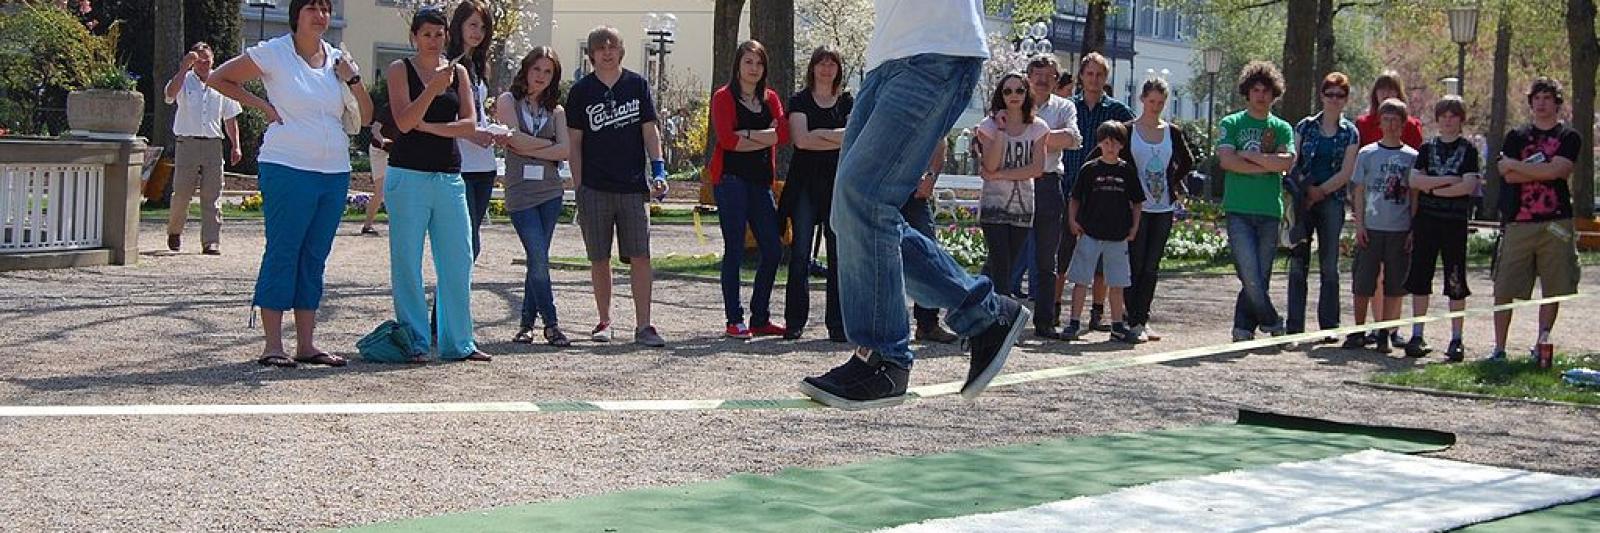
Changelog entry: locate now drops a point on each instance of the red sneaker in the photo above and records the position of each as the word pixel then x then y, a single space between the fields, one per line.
pixel 738 331
pixel 769 330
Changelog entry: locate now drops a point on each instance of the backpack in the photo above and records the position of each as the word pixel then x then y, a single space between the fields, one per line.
pixel 390 342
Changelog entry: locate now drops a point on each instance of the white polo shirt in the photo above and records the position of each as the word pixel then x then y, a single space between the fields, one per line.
pixel 201 109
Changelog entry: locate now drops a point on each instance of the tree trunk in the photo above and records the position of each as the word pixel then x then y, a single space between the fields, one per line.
pixel 168 51
pixel 1497 112
pixel 1325 41
pixel 1094 27
pixel 724 40
pixel 1298 66
pixel 772 23
pixel 216 22
pixel 1582 39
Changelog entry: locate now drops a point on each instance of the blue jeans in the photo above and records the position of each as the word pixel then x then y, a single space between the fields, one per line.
pixel 1254 242
pixel 480 189
pixel 904 108
pixel 807 217
pixel 431 205
pixel 918 213
pixel 302 210
pixel 740 204
pixel 535 227
pixel 1324 221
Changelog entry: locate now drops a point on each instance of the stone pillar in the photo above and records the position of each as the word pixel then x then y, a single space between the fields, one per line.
pixel 120 230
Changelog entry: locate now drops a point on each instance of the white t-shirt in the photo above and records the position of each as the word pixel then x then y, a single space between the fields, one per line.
pixel 310 101
pixel 201 109
pixel 476 158
pixel 905 28
pixel 1151 161
pixel 1058 113
pixel 1011 202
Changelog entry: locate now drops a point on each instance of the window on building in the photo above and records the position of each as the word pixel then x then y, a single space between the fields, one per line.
pixel 1169 25
pixel 385 53
pixel 1146 26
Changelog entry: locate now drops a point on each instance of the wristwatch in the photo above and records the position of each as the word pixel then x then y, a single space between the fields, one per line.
pixel 353 80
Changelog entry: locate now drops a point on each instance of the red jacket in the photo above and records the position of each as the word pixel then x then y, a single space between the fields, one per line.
pixel 1371 132
pixel 725 120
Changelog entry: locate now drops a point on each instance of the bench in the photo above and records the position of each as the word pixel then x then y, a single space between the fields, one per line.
pixel 954 192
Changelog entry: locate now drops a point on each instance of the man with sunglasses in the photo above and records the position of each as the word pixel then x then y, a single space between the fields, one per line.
pixel 203 115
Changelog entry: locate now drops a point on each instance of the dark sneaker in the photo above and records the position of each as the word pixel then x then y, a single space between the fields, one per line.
pixel 936 332
pixel 1498 355
pixel 1047 333
pixel 211 249
pixel 1417 347
pixel 174 242
pixel 1383 345
pixel 1243 335
pixel 1073 331
pixel 990 348
pixel 1455 353
pixel 647 336
pixel 859 384
pixel 1120 332
pixel 1355 341
pixel 554 337
pixel 1097 318
pixel 1394 338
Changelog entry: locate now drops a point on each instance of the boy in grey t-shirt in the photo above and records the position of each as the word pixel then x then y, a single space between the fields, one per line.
pixel 1382 202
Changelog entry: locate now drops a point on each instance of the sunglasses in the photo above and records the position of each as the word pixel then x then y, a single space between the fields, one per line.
pixel 1011 91
pixel 1336 95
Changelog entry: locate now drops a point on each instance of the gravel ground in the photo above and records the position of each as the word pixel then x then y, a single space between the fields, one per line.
pixel 173 330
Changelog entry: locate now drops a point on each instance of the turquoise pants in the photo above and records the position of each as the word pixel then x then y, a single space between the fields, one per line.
pixel 431 205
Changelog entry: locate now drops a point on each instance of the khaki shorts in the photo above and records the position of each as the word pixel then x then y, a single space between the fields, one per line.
pixel 1544 250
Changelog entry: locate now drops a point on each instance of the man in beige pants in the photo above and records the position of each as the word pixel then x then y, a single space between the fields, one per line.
pixel 203 114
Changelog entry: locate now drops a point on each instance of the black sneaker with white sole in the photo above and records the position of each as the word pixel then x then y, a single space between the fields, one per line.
pixel 1455 353
pixel 860 383
pixel 990 348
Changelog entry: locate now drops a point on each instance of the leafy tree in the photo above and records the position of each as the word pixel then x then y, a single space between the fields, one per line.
pixel 844 24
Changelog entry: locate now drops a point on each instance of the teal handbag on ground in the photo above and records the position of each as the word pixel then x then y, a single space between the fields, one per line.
pixel 389 343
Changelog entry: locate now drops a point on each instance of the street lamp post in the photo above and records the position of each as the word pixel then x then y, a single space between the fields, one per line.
pixel 1212 57
pixel 261 22
pixel 1463 30
pixel 661 28
pixel 1035 40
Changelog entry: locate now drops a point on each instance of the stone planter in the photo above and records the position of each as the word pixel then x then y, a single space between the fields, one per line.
pixel 105 111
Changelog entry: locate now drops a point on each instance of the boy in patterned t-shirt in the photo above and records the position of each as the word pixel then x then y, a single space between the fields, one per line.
pixel 1445 178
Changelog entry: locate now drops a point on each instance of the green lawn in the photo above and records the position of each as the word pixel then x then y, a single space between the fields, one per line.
pixel 1517 378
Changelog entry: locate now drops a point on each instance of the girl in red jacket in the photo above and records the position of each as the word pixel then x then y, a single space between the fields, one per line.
pixel 749 122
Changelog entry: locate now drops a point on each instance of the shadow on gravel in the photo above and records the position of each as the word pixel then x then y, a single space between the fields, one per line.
pixel 1336 356
pixel 246 373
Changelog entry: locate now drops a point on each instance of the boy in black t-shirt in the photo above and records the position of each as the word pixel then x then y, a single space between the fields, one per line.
pixel 1445 178
pixel 1104 215
pixel 1539 240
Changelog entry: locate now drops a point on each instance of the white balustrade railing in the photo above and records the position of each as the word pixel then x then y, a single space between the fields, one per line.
pixel 50 207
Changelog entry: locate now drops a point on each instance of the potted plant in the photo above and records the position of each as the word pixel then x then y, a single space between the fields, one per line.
pixel 109 101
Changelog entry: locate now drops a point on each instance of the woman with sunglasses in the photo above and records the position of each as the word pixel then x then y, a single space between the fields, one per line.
pixel 1328 147
pixel 433 106
pixel 304 166
pixel 1013 156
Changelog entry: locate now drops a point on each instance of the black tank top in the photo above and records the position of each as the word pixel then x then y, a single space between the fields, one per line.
pixel 426 152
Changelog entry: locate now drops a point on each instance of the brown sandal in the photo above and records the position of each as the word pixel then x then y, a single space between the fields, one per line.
pixel 320 359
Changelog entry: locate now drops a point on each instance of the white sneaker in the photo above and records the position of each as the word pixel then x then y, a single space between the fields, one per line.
pixel 602 332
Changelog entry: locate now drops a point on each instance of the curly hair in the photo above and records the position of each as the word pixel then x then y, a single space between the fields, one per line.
pixel 1260 73
pixel 1544 84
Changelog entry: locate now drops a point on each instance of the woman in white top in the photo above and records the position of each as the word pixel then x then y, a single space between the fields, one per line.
pixel 1160 152
pixel 471 33
pixel 304 168
pixel 1013 156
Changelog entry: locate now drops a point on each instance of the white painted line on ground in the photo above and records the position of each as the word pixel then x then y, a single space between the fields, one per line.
pixel 925 391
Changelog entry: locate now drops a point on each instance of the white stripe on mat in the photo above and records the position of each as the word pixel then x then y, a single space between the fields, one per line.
pixel 1364 491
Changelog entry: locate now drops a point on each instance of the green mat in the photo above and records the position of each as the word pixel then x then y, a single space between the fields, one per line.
pixel 895 491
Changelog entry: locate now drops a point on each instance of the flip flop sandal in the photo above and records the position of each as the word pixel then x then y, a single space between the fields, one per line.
pixel 279 360
pixel 523 336
pixel 555 337
pixel 478 356
pixel 320 359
